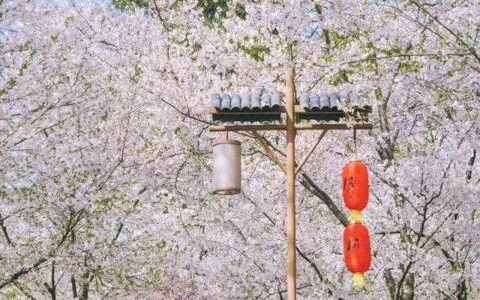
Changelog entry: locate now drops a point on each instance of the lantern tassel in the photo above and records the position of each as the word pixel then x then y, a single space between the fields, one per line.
pixel 359 280
pixel 355 216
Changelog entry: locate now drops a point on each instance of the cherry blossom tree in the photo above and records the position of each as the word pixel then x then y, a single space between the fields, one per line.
pixel 105 153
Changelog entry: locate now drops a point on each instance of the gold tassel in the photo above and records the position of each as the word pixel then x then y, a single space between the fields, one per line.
pixel 355 216
pixel 359 280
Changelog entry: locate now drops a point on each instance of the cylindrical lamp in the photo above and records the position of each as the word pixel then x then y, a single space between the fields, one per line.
pixel 226 167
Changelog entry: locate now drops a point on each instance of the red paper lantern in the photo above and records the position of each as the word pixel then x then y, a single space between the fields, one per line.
pixel 356 250
pixel 355 185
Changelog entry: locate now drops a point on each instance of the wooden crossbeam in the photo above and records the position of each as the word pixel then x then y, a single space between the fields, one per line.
pixel 247 127
pixel 334 126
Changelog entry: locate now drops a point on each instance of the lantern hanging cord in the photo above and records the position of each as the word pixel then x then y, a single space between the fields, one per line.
pixel 355 143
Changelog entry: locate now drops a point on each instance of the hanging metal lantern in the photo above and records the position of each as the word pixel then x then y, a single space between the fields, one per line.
pixel 226 167
pixel 355 188
pixel 356 250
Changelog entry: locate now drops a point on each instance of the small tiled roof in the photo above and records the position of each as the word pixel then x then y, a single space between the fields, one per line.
pixel 264 100
pixel 331 101
pixel 265 106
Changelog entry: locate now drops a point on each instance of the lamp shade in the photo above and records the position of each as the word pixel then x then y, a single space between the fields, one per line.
pixel 226 167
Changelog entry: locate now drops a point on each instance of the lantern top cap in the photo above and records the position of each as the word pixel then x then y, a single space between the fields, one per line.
pixel 219 141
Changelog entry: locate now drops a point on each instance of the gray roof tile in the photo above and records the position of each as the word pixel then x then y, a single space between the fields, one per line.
pixel 332 101
pixel 217 101
pixel 304 100
pixel 236 103
pixel 276 99
pixel 226 102
pixel 314 102
pixel 245 104
pixel 255 102
pixel 324 102
pixel 263 100
pixel 266 102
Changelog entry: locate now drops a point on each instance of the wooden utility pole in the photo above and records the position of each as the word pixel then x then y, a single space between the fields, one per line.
pixel 291 168
pixel 291 232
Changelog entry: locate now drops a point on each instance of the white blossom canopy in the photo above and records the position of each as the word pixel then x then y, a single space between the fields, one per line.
pixel 105 156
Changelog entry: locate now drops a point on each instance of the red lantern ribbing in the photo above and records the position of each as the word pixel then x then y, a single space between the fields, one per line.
pixel 355 188
pixel 356 250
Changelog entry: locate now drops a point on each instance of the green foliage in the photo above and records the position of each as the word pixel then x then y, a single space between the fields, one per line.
pixel 406 66
pixel 335 39
pixel 136 74
pixel 399 152
pixel 156 272
pixel 23 68
pixel 292 48
pixel 341 77
pixel 255 51
pixel 191 150
pixel 392 51
pixel 3 193
pixel 378 94
pixel 28 192
pixel 213 11
pixel 240 11
pixel 69 20
pixel 125 4
pixel 10 293
pixel 196 48
pixel 410 67
pixel 54 38
pixel 106 204
pixel 456 267
pixel 327 58
pixel 175 5
pixel 113 91
pixel 180 133
pixel 10 85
